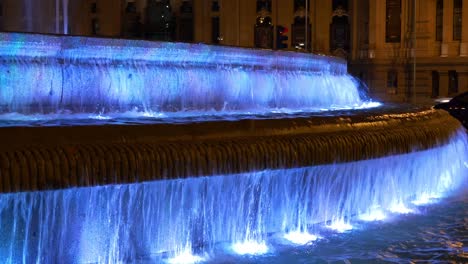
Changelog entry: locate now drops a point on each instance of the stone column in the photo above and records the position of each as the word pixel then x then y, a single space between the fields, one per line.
pixel 464 42
pixel 354 24
pixel 247 19
pixel 229 24
pixel 199 29
pixel 322 26
pixel 377 13
pixel 425 27
pixel 109 18
pixel 447 34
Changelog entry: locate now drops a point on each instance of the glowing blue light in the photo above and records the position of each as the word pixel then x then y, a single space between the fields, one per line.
pixel 400 208
pixel 425 198
pixel 186 257
pixel 250 248
pixel 300 238
pixel 340 226
pixel 375 214
pixel 153 114
pixel 100 117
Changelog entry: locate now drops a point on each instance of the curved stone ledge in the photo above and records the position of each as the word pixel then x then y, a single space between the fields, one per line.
pixel 39 158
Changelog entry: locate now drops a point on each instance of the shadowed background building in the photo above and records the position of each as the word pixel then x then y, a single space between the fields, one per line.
pixel 402 49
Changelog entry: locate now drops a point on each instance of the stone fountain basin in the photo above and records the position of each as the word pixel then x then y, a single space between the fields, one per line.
pixel 54 157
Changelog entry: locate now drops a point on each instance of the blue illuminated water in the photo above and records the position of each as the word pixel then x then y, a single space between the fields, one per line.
pixel 138 117
pixel 76 77
pixel 331 210
pixel 213 217
pixel 434 234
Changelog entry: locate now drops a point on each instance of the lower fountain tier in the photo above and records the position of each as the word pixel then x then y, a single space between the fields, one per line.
pixel 39 158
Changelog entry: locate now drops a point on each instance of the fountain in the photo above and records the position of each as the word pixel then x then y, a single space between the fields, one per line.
pixel 126 151
pixel 86 75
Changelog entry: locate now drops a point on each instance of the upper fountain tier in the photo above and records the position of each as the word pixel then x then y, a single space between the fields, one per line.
pixel 120 51
pixel 57 74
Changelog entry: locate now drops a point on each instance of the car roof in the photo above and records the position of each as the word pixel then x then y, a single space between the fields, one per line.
pixel 463 98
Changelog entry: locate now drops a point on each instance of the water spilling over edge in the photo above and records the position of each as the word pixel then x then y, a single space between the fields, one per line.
pixel 43 74
pixel 190 216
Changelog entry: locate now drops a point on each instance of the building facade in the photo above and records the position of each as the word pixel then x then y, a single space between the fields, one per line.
pixel 411 49
pixel 402 49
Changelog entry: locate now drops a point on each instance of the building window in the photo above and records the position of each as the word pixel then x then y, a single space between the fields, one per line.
pixel 215 6
pixel 393 21
pixel 457 19
pixel 160 21
pixel 131 8
pixel 93 8
pixel 185 22
pixel 392 79
pixel 95 26
pixel 263 33
pixel 343 4
pixel 263 28
pixel 439 19
pixel 301 4
pixel 215 30
pixel 340 34
pixel 263 5
pixel 453 82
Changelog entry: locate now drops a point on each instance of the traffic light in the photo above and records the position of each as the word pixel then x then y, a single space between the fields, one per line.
pixel 281 37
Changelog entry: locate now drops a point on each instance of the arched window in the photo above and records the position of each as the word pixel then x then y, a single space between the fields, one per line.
pixel 393 21
pixel 340 29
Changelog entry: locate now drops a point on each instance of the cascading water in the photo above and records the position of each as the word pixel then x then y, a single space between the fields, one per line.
pixel 250 211
pixel 167 218
pixel 83 75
